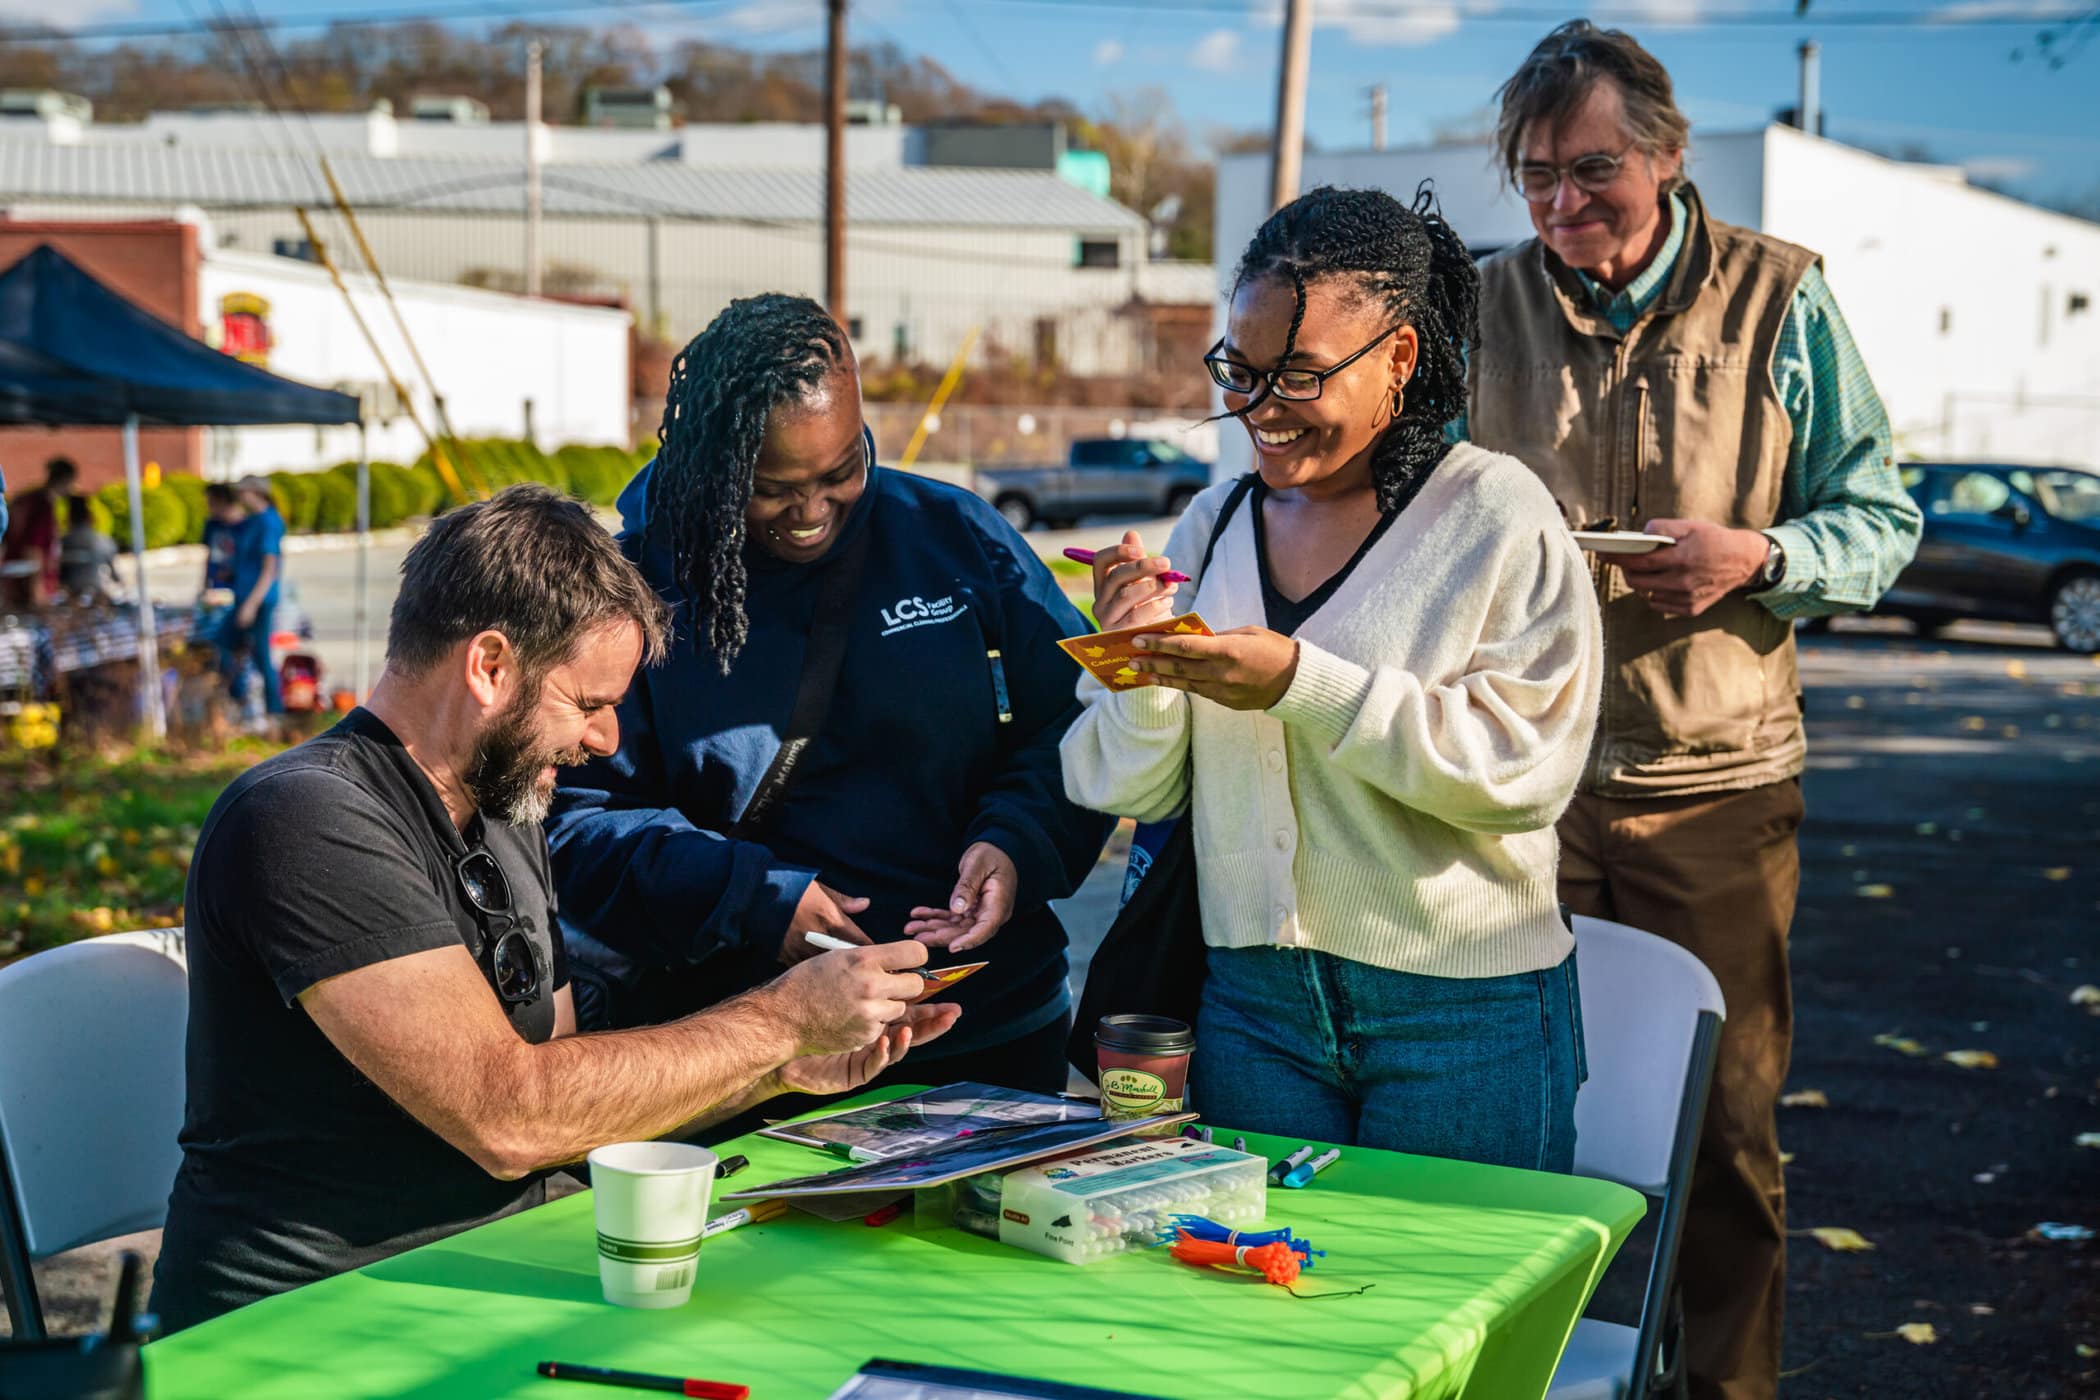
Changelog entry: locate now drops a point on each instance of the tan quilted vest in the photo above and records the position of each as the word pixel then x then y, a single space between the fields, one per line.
pixel 1677 417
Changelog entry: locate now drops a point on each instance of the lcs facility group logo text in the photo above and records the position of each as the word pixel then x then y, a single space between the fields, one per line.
pixel 907 613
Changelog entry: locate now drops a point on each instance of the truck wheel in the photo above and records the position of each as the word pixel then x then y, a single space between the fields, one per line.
pixel 2074 613
pixel 1016 511
pixel 1179 501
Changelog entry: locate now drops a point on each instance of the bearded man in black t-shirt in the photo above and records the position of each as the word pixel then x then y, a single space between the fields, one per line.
pixel 382 1045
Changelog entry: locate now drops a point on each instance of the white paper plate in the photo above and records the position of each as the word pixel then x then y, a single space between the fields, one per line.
pixel 1620 541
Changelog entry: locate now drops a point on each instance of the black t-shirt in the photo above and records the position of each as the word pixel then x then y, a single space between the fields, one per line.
pixel 332 856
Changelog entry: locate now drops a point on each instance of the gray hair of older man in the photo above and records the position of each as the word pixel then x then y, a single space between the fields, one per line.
pixel 1559 74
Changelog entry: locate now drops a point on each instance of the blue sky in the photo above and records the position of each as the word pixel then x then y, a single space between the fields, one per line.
pixel 1950 88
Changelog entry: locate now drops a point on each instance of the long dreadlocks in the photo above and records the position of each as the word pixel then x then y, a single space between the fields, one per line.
pixel 760 353
pixel 1413 262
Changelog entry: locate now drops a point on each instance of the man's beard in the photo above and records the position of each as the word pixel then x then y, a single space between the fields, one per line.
pixel 507 778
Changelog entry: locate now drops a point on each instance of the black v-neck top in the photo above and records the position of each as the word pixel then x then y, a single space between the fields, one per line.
pixel 1284 615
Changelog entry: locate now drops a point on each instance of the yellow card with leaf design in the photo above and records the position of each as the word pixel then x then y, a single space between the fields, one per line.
pixel 1107 654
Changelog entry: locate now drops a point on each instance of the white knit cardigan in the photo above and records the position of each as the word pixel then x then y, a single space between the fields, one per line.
pixel 1396 806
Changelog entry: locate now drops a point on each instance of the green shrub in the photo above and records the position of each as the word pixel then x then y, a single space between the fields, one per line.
pixel 335 503
pixel 298 497
pixel 190 491
pixel 427 488
pixel 165 515
pixel 390 502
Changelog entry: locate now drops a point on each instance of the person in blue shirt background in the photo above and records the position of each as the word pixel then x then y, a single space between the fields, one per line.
pixel 258 569
pixel 929 804
pixel 222 531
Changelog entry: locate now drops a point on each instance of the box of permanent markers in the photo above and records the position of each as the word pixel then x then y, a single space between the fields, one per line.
pixel 1122 1196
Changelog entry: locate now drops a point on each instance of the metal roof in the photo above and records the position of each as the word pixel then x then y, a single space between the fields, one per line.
pixel 223 178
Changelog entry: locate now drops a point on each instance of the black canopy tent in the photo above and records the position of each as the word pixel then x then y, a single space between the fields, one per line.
pixel 73 353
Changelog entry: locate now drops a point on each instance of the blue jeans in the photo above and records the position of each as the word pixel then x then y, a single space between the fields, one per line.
pixel 1308 1045
pixel 255 640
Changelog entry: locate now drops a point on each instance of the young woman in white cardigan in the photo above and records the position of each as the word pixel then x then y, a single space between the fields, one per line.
pixel 1396 707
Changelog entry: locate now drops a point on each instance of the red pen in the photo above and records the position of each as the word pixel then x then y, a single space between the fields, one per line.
pixel 1086 556
pixel 885 1215
pixel 636 1380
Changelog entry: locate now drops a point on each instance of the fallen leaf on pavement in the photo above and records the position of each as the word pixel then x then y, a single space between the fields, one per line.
pixel 2085 1351
pixel 1903 1044
pixel 2082 1140
pixel 1786 1159
pixel 1971 1059
pixel 1805 1098
pixel 1855 702
pixel 1975 723
pixel 1842 1240
pixel 2016 669
pixel 1874 891
pixel 1918 1334
pixel 2088 995
pixel 1982 1310
pixel 2057 872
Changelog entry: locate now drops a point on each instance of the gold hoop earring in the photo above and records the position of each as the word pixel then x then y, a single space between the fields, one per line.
pixel 1399 401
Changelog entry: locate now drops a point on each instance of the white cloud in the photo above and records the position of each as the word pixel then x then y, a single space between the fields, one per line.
pixel 1217 51
pixel 2000 169
pixel 1380 22
pixel 1108 53
pixel 1966 11
pixel 38 12
pixel 768 16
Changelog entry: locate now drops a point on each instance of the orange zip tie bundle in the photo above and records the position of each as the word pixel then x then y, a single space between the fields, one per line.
pixel 1275 1262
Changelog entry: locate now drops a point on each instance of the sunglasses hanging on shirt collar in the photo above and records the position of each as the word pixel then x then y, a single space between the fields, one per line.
pixel 512 961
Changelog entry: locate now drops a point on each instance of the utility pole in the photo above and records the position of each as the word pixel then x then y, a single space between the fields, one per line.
pixel 835 165
pixel 1810 111
pixel 1290 104
pixel 1378 116
pixel 532 168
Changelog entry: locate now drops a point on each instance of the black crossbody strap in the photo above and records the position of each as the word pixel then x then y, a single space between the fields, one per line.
pixel 1240 489
pixel 837 586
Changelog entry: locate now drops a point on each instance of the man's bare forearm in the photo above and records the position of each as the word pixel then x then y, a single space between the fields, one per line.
pixel 579 1092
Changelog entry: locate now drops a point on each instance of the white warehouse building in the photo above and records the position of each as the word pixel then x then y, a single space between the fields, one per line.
pixel 672 222
pixel 1976 313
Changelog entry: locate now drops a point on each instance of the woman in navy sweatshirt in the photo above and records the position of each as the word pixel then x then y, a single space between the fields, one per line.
pixel 930 801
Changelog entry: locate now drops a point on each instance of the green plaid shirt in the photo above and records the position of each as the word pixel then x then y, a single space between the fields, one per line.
pixel 1846 524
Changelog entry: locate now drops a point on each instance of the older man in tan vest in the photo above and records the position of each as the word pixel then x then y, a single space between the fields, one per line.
pixel 1666 372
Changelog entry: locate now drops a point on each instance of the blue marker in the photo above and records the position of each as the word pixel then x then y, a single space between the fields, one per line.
pixel 1302 1175
pixel 1290 1163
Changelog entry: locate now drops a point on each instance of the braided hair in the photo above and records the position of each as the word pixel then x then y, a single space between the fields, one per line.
pixel 760 353
pixel 1413 263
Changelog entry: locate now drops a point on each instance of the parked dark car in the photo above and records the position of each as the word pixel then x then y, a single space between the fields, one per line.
pixel 1099 476
pixel 2004 544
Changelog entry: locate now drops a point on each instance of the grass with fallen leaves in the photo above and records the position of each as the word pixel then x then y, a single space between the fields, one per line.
pixel 95 843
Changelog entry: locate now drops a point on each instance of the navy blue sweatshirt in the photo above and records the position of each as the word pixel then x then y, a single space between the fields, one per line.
pixel 912 765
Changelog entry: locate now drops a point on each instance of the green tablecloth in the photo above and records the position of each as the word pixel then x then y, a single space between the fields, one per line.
pixel 1480 1273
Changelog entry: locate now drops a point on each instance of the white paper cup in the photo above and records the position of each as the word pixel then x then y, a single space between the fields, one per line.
pixel 651 1202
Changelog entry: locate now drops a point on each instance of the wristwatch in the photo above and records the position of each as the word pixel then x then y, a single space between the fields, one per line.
pixel 1774 566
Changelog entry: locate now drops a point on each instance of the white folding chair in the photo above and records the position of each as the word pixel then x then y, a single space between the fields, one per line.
pixel 1651 1025
pixel 91 1099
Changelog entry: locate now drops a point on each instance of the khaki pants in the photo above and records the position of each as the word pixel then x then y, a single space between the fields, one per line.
pixel 1716 874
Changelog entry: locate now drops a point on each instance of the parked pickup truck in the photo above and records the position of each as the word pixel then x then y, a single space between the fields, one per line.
pixel 1100 476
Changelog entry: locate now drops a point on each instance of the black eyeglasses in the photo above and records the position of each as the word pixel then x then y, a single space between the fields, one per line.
pixel 1539 181
pixel 1236 377
pixel 513 962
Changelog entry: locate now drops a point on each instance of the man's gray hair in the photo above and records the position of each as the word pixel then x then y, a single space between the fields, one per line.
pixel 1561 72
